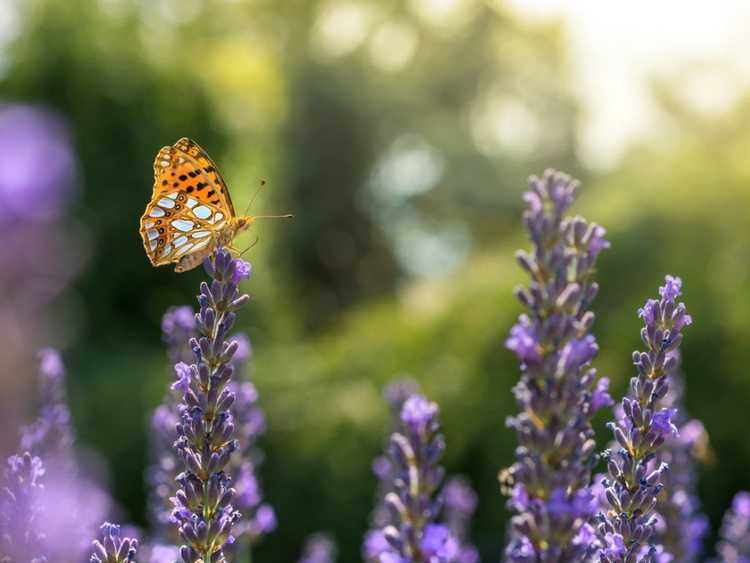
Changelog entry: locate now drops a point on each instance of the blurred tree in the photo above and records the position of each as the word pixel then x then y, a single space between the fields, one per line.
pixel 410 134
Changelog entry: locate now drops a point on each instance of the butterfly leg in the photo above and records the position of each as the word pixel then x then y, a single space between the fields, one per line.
pixel 257 238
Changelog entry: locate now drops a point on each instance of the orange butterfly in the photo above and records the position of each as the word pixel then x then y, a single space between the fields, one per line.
pixel 190 213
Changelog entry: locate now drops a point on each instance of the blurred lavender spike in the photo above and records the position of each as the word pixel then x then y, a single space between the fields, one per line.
pixel 178 326
pixel 319 548
pixel 51 435
pixel 627 529
pixel 111 548
pixel 734 545
pixel 21 532
pixel 459 504
pixel 411 532
pixel 206 437
pixel 684 526
pixel 559 391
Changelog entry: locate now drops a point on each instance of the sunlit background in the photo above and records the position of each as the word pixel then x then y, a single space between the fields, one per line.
pixel 400 133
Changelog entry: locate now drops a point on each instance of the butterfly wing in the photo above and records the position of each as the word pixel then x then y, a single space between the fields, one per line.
pixel 189 205
pixel 209 186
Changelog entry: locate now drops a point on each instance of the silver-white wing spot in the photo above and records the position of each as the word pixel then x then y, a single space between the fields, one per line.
pixel 201 234
pixel 152 244
pixel 183 225
pixel 167 250
pixel 191 202
pixel 179 241
pixel 148 224
pixel 202 212
pixel 173 195
pixel 156 212
pixel 166 202
pixel 164 163
pixel 152 234
pixel 183 250
pixel 199 245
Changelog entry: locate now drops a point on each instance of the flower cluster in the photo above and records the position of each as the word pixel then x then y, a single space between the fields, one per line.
pixel 111 548
pixel 319 548
pixel 21 529
pixel 559 390
pixel 682 526
pixel 459 504
pixel 734 546
pixel 634 482
pixel 411 475
pixel 51 435
pixel 179 326
pixel 50 508
pixel 203 511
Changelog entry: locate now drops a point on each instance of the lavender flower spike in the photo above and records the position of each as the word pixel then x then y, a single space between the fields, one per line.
pixel 21 532
pixel 203 502
pixel 319 548
pixel 559 390
pixel 634 482
pixel 111 548
pixel 684 526
pixel 414 453
pixel 734 546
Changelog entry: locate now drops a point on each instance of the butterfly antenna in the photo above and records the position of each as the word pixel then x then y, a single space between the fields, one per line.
pixel 252 199
pixel 287 216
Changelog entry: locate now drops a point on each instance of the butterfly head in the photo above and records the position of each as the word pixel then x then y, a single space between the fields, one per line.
pixel 243 222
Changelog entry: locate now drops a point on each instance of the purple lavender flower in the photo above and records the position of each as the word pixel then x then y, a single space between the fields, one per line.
pixel 111 548
pixel 258 518
pixel 682 526
pixel 37 165
pixel 203 509
pixel 71 505
pixel 410 505
pixel 734 546
pixel 51 435
pixel 634 481
pixel 559 390
pixel 414 453
pixel 319 548
pixel 178 326
pixel 160 553
pixel 21 534
pixel 459 504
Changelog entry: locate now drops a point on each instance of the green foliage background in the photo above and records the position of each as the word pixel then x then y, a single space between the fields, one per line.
pixel 339 307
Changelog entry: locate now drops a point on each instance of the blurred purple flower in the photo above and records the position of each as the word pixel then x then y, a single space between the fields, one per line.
pixel 37 165
pixel 51 435
pixel 319 548
pixel 734 545
pixel 178 326
pixel 683 527
pixel 375 544
pixel 460 502
pixel 438 544
pixel 21 532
